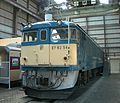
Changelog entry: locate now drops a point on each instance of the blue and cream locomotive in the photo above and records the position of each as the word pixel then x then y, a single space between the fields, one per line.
pixel 55 56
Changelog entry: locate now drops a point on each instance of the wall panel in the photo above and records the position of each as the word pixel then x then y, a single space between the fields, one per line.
pixel 103 29
pixel 97 18
pixel 111 21
pixel 22 2
pixel 33 6
pixel 32 19
pixel 96 32
pixel 110 17
pixel 5 35
pixel 22 14
pixel 6 14
pixel 5 28
pixel 10 17
pixel 113 35
pixel 5 6
pixel 6 21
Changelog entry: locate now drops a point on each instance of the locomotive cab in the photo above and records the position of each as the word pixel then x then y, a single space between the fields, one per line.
pixel 54 46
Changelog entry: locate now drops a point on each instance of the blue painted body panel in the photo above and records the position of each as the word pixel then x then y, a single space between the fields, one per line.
pixel 88 53
pixel 50 24
pixel 47 26
pixel 55 68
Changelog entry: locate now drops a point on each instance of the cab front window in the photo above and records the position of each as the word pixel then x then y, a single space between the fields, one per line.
pixel 62 34
pixel 59 34
pixel 30 37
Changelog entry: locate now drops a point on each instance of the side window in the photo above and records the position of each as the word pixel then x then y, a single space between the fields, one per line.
pixel 78 34
pixel 73 34
pixel 43 35
pixel 30 37
pixel 24 37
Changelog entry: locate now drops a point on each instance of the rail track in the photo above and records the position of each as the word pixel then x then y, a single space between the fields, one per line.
pixel 17 95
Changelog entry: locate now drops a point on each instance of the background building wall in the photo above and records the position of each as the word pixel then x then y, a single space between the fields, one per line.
pixel 15 12
pixel 6 19
pixel 102 23
pixel 105 30
pixel 114 1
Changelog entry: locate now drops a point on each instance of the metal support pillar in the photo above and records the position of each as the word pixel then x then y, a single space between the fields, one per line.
pixel 106 69
pixel 9 83
pixel 15 20
pixel 27 13
pixel 28 4
pixel 104 36
pixel 87 25
pixel 119 13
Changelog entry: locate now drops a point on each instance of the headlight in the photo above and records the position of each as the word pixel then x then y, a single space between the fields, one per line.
pixel 29 25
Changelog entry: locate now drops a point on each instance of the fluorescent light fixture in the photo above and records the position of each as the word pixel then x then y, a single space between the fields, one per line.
pixel 60 1
pixel 104 1
pixel 64 7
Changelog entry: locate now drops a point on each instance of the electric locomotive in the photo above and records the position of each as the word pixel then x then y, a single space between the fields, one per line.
pixel 55 55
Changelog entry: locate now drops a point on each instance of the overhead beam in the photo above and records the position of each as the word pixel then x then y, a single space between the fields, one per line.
pixel 96 10
pixel 17 5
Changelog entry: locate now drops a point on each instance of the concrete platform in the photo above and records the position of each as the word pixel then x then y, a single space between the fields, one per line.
pixel 105 90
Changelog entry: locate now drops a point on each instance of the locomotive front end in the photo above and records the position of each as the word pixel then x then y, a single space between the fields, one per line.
pixel 49 47
pixel 49 57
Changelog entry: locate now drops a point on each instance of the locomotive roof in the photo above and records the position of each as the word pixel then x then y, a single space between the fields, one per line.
pixel 48 24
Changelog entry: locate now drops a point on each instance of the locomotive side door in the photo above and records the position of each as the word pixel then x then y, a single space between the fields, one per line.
pixel 43 49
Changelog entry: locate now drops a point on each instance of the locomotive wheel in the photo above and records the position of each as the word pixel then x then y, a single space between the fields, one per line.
pixel 83 78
